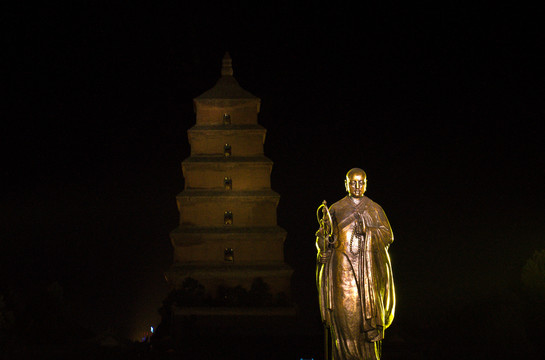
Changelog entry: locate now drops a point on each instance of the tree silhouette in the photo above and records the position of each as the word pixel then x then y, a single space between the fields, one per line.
pixel 533 275
pixel 533 283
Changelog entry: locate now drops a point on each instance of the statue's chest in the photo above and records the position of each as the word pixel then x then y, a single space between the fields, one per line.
pixel 351 234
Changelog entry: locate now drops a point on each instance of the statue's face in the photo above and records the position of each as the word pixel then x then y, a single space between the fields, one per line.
pixel 356 183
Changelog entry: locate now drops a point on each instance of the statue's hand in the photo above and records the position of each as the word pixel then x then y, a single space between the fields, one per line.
pixel 320 232
pixel 324 256
pixel 320 240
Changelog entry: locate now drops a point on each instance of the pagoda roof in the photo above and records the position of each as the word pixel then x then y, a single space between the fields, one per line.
pixel 227 86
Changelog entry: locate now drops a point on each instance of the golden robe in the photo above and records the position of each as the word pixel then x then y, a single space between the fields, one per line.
pixel 354 278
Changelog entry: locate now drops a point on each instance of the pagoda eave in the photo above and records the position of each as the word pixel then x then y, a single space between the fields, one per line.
pixel 228 195
pixel 188 230
pixel 226 160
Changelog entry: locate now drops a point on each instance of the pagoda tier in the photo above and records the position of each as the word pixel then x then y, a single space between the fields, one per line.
pixel 236 173
pixel 245 140
pixel 195 245
pixel 208 208
pixel 212 111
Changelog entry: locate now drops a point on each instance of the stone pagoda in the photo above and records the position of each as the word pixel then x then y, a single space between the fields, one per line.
pixel 228 235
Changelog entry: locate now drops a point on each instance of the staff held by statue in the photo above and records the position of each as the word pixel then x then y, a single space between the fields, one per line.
pixel 326 229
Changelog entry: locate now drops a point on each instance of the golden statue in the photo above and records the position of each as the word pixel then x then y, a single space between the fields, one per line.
pixel 354 273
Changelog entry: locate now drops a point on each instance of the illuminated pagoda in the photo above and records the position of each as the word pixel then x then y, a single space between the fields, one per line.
pixel 228 235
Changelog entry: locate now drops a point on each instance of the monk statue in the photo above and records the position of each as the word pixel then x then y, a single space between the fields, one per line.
pixel 354 273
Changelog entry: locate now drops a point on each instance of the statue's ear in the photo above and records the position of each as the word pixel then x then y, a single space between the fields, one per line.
pixel 346 186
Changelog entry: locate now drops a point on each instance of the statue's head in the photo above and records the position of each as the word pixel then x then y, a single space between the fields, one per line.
pixel 355 183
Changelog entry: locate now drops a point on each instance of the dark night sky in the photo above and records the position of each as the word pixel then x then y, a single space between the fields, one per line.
pixel 440 104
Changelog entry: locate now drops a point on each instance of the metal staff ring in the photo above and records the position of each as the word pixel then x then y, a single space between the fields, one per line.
pixel 328 216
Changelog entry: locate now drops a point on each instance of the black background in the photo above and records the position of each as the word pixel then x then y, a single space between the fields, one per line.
pixel 441 105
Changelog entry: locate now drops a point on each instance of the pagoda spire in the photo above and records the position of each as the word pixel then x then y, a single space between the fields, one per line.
pixel 227 87
pixel 226 65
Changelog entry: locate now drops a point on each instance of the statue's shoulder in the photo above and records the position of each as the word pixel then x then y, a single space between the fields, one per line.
pixel 341 204
pixel 341 208
pixel 370 205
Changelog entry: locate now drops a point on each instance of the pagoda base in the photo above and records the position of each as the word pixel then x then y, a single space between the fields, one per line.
pixel 276 276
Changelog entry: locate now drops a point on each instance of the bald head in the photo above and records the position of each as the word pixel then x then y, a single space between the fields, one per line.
pixel 355 182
